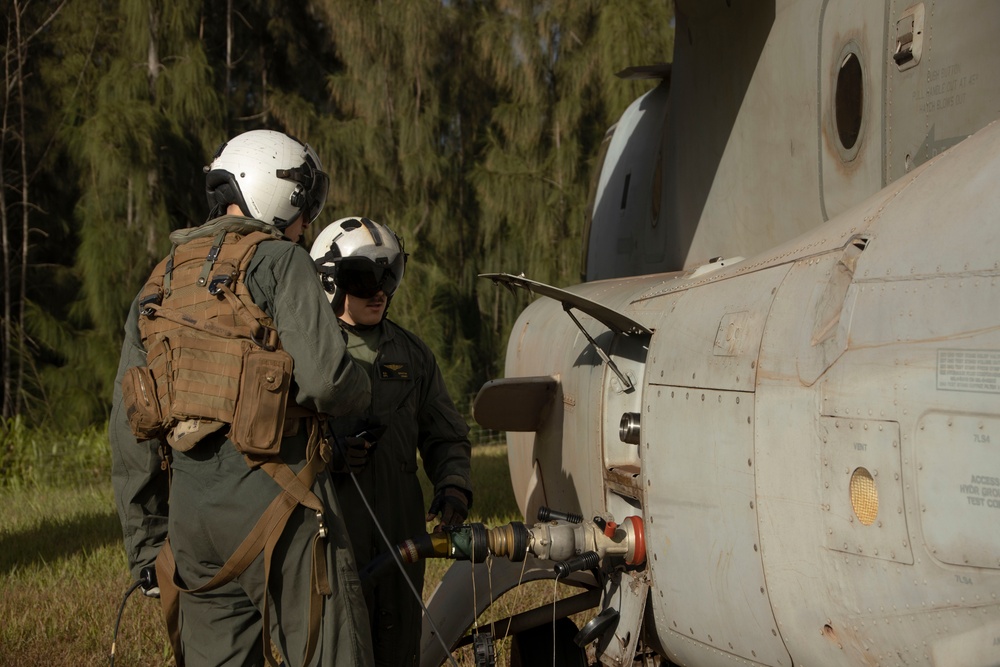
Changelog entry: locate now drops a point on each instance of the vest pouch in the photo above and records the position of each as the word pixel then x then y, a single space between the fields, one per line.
pixel 260 410
pixel 141 404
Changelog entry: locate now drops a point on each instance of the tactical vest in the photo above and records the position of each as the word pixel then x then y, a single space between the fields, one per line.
pixel 213 358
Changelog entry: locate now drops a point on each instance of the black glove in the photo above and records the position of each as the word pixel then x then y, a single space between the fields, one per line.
pixel 350 454
pixel 452 503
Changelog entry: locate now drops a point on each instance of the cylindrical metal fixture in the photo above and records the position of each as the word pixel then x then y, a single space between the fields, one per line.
pixel 549 514
pixel 628 429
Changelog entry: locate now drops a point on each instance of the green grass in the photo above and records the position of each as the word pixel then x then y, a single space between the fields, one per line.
pixel 63 572
pixel 45 456
pixel 63 569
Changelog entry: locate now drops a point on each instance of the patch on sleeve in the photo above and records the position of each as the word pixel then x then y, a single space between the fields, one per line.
pixel 394 371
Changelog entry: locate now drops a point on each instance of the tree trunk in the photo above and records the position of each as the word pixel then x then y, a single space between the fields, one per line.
pixel 22 296
pixel 7 409
pixel 152 176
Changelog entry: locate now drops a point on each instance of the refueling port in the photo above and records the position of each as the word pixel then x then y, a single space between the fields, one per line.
pixel 628 429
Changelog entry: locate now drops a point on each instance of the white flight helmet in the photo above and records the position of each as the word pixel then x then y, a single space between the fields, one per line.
pixel 359 257
pixel 271 176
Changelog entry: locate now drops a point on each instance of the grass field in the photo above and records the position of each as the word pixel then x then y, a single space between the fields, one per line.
pixel 63 572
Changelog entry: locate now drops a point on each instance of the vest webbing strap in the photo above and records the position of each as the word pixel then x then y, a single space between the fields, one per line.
pixel 263 537
pixel 208 326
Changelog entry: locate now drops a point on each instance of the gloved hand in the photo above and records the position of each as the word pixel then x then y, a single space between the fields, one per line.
pixel 452 503
pixel 350 454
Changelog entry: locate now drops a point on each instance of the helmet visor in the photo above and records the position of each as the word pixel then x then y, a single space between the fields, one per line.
pixel 316 195
pixel 364 278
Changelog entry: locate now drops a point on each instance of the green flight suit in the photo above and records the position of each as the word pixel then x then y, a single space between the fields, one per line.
pixel 410 397
pixel 215 498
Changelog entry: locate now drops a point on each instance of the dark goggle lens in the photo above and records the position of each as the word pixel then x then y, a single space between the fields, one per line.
pixel 363 278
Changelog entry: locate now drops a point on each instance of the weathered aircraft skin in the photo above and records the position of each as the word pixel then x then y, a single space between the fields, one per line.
pixel 814 457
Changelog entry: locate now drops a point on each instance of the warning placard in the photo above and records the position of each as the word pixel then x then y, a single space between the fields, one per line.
pixel 969 370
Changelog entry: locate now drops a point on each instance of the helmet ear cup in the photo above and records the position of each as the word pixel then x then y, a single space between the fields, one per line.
pixel 222 190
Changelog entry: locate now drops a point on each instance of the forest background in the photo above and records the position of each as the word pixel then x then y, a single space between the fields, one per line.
pixel 470 127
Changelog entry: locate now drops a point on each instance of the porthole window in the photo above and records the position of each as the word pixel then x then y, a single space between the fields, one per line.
pixel 849 102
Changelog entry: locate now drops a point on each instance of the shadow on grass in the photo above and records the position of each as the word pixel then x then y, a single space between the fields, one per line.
pixel 493 496
pixel 56 539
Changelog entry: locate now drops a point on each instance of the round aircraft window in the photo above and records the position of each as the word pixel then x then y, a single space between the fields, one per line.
pixel 849 100
pixel 864 496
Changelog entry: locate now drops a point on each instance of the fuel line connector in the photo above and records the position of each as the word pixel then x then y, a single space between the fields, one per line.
pixel 563 538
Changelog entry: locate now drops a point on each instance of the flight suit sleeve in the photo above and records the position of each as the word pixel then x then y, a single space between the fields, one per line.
pixel 443 438
pixel 140 484
pixel 327 379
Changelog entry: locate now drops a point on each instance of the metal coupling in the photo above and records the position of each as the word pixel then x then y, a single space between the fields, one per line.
pixel 628 428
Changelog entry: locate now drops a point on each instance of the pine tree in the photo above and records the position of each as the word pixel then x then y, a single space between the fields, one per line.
pixel 137 125
pixel 554 63
pixel 402 140
pixel 30 199
pixel 468 126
